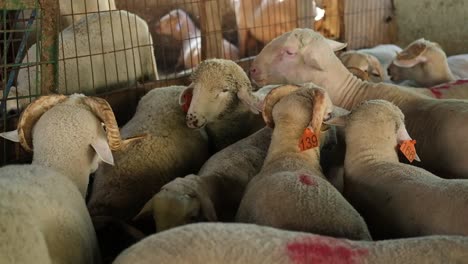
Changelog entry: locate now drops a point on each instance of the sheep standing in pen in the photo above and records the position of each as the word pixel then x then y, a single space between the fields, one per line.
pixel 221 101
pixel 209 243
pixel 396 199
pixel 425 63
pixel 291 192
pixel 365 66
pixel 143 168
pixel 43 216
pixel 102 51
pixel 439 126
pixel 180 26
pixel 216 192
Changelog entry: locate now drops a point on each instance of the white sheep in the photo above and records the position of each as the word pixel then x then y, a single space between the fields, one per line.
pixel 396 199
pixel 180 26
pixel 102 51
pixel 215 193
pixel 291 192
pixel 70 11
pixel 236 243
pixel 170 150
pixel 364 66
pixel 43 216
pixel 426 63
pixel 385 53
pixel 439 126
pixel 221 100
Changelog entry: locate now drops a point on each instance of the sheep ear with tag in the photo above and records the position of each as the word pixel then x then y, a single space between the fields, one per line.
pixel 103 150
pixel 403 136
pixel 10 135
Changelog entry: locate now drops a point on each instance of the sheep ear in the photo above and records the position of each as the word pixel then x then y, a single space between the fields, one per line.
pixel 335 45
pixel 411 62
pixel 339 117
pixel 402 135
pixel 10 135
pixel 249 99
pixel 186 94
pixel 103 150
pixel 146 212
pixel 207 208
pixel 310 58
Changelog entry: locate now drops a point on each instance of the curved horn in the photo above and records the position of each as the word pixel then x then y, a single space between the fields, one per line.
pixel 359 73
pixel 31 115
pixel 272 98
pixel 103 111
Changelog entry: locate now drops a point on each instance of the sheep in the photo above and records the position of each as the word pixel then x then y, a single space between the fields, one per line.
pixel 425 63
pixel 222 102
pixel 365 66
pixel 264 20
pixel 291 192
pixel 143 168
pixel 439 126
pixel 43 215
pixel 216 192
pixel 128 57
pixel 178 24
pixel 70 11
pixel 233 243
pixel 385 53
pixel 389 193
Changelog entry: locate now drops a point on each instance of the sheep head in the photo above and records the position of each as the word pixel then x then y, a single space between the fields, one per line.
pixel 364 66
pixel 301 106
pixel 219 87
pixel 372 113
pixel 293 57
pixel 99 107
pixel 182 201
pixel 422 61
pixel 175 23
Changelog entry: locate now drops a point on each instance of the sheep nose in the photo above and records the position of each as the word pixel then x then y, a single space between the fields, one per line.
pixel 254 71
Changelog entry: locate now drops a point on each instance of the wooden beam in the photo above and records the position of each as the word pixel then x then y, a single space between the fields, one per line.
pixel 210 26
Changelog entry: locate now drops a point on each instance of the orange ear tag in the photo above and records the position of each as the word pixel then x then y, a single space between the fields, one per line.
pixel 308 140
pixel 407 148
pixel 187 100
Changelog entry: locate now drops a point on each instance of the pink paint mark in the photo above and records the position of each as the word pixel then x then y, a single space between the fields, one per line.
pixel 307 180
pixel 437 90
pixel 320 249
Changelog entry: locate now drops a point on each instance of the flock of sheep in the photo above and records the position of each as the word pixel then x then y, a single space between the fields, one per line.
pixel 324 156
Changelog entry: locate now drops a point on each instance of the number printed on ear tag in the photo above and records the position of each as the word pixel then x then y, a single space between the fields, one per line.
pixel 408 149
pixel 308 140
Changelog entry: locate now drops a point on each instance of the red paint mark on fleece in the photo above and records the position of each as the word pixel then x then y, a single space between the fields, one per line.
pixel 319 250
pixel 307 180
pixel 436 90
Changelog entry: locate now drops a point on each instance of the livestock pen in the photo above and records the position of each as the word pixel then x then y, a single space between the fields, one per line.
pixel 234 29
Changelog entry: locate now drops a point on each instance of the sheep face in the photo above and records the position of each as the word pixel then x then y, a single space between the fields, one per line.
pixel 171 209
pixel 173 24
pixel 364 66
pixel 293 57
pixel 218 86
pixel 422 61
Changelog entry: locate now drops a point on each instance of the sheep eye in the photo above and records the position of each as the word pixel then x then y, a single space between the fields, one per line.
pixel 290 53
pixel 225 90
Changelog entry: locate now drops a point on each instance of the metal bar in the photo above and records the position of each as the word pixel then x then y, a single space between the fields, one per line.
pixel 49 41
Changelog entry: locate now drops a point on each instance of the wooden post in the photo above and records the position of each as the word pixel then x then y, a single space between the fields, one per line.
pixel 49 45
pixel 210 27
pixel 305 13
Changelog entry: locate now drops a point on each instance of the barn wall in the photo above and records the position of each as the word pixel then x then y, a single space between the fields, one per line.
pixel 443 21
